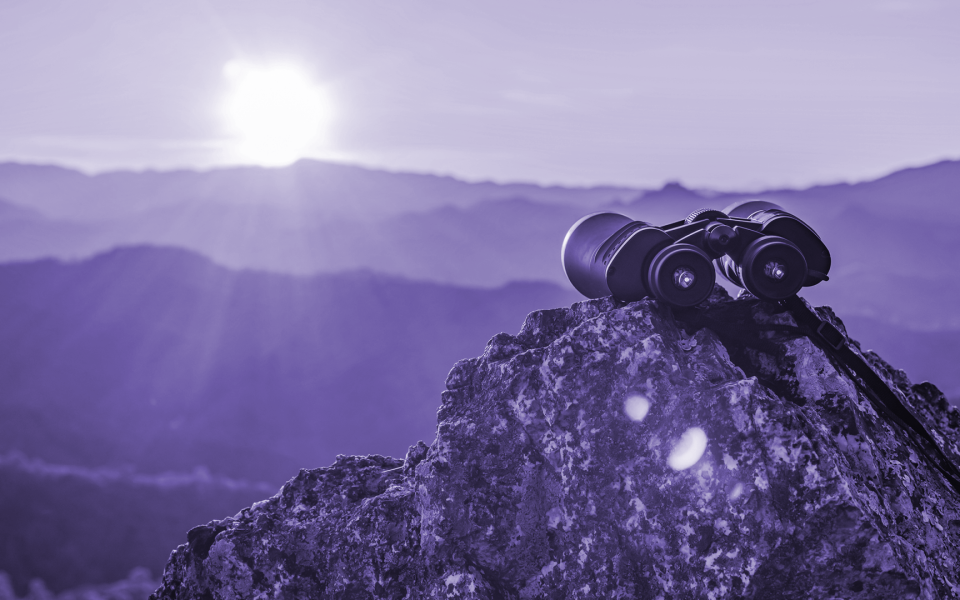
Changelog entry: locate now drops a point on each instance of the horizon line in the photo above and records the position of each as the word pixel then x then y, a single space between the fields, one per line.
pixel 667 182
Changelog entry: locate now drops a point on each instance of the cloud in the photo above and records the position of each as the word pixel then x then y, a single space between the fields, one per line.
pixel 200 476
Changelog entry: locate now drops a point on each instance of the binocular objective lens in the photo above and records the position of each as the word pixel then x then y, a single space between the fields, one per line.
pixel 681 274
pixel 683 278
pixel 775 270
pixel 772 268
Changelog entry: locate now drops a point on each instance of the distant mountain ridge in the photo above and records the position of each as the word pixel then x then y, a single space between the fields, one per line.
pixel 934 191
pixel 310 187
pixel 166 361
pixel 892 239
pixel 438 229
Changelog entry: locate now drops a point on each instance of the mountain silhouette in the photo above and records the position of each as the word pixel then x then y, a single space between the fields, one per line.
pixel 159 359
pixel 307 187
pixel 120 371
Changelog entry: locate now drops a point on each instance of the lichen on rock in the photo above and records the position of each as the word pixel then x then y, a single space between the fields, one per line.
pixel 618 451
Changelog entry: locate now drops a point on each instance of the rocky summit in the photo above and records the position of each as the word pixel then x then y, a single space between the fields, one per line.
pixel 620 451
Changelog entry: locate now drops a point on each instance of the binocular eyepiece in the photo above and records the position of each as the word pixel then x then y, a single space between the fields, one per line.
pixel 756 245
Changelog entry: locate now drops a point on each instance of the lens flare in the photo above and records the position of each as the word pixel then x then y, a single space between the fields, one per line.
pixel 692 445
pixel 636 407
pixel 736 491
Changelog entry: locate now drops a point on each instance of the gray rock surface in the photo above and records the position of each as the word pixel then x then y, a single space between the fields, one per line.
pixel 613 451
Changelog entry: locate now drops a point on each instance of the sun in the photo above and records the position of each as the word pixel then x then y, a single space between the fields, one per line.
pixel 275 112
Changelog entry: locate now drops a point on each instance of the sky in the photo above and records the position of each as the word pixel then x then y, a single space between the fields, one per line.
pixel 719 94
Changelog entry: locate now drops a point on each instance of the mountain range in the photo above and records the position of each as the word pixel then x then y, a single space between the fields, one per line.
pixel 161 359
pixel 892 239
pixel 153 362
pixel 251 322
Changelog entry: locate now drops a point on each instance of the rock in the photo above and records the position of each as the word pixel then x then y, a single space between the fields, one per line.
pixel 617 451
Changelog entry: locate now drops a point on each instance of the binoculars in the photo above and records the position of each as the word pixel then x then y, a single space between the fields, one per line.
pixel 754 244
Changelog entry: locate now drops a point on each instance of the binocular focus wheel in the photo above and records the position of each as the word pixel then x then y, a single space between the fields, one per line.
pixel 773 268
pixel 681 274
pixel 704 214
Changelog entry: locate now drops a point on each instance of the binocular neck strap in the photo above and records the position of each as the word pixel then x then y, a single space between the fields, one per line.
pixel 825 335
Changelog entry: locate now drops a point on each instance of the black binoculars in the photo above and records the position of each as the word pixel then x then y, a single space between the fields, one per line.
pixel 754 244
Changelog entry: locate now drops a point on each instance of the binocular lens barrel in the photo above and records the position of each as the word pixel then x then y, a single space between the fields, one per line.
pixel 637 258
pixel 584 248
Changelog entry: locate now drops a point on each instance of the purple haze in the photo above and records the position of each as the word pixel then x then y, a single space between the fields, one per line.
pixel 174 342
